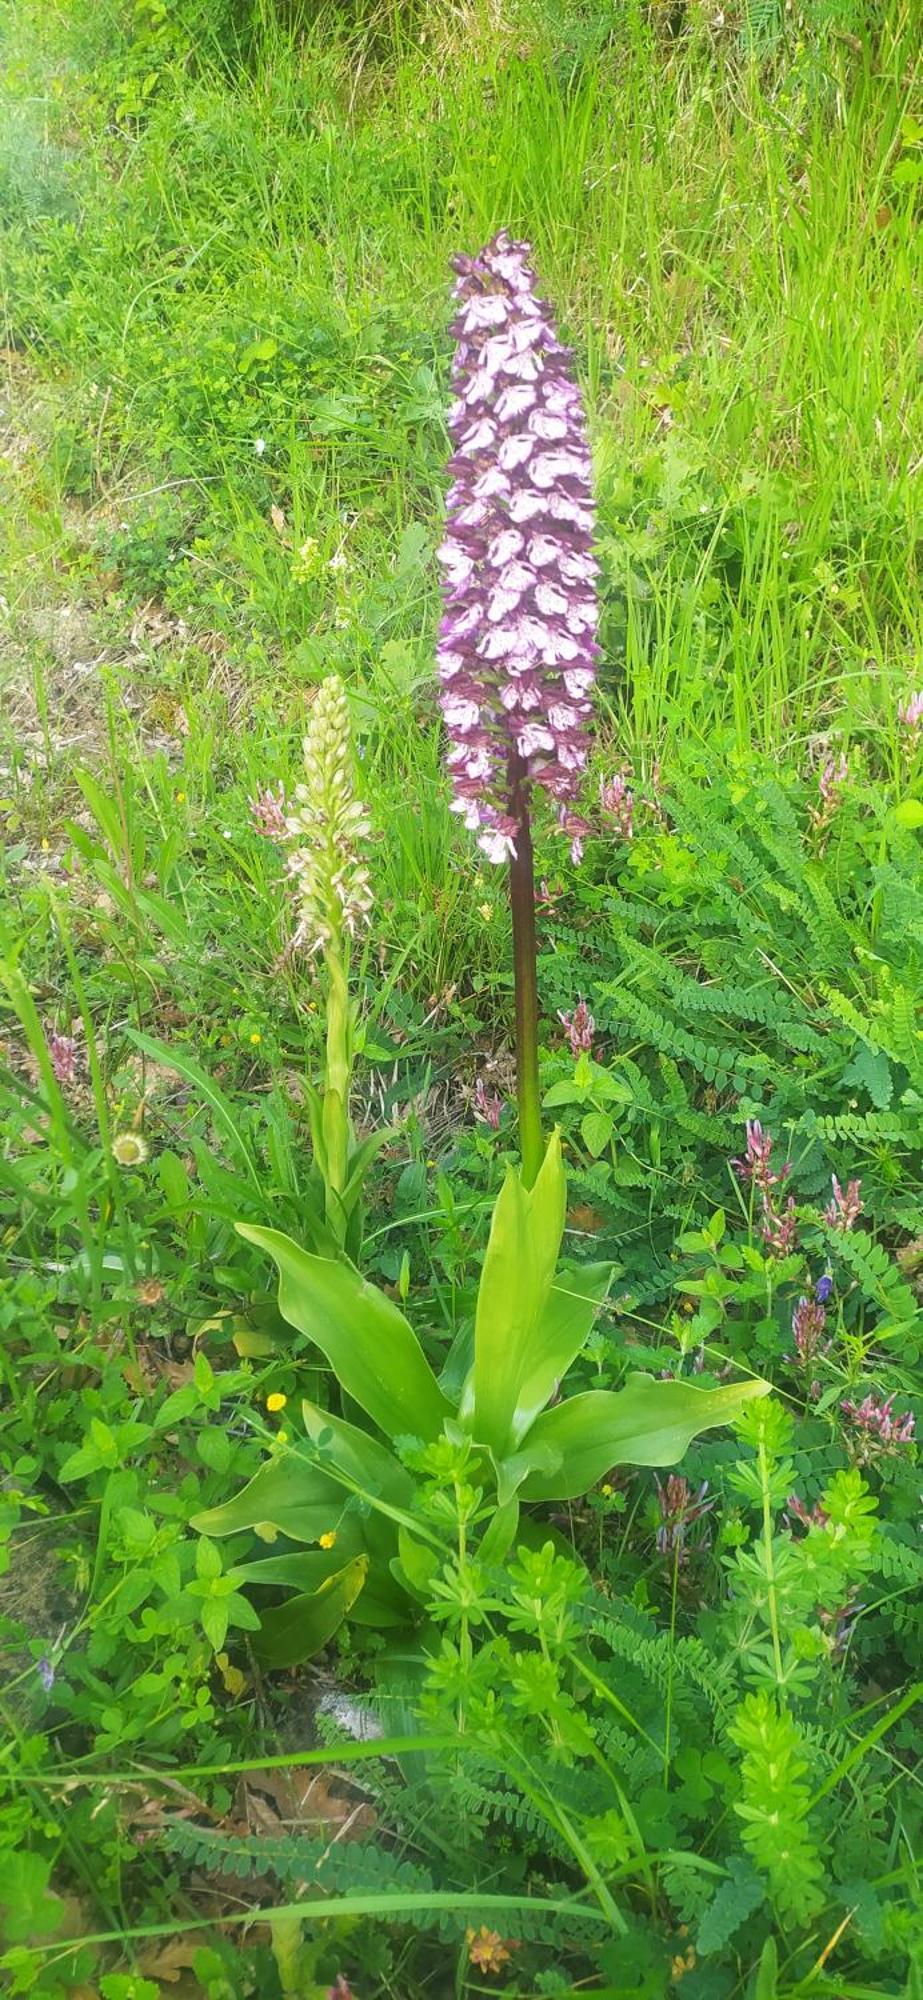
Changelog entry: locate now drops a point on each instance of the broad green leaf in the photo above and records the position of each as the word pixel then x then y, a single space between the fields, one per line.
pixel 367 1466
pixel 215 1617
pixel 288 1494
pixel 522 1252
pixel 370 1346
pixel 596 1130
pixel 297 1630
pixel 381 1602
pixel 416 1564
pixel 563 1327
pixel 646 1423
pixel 909 813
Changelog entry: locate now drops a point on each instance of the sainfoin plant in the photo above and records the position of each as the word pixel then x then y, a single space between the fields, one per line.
pixel 517 659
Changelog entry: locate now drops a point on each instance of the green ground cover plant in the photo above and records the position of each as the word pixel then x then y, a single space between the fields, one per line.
pixel 468 1618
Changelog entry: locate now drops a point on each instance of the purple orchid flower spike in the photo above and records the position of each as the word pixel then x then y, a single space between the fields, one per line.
pixel 517 643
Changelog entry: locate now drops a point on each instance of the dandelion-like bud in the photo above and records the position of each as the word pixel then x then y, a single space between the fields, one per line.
pixel 517 644
pixel 330 825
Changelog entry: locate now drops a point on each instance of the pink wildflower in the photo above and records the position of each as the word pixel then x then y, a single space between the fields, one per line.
pixel 487 1105
pixel 844 1209
pixel 911 715
pixel 679 1507
pixel 618 802
pixel 581 1028
pixel 63 1052
pixel 876 1427
pixel 267 811
pixel 831 779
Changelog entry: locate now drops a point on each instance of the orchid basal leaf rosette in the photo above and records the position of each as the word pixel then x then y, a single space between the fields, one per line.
pixel 517 643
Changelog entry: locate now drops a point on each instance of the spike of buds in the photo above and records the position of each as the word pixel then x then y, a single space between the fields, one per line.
pixel 331 826
pixel 517 645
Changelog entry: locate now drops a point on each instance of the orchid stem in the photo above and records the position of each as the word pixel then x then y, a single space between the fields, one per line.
pixel 522 906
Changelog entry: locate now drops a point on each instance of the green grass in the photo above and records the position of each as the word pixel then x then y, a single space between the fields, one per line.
pixel 734 259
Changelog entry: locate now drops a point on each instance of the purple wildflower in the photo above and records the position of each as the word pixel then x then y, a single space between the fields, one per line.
pixel 831 779
pixel 267 811
pixel 756 1165
pixel 618 802
pixel 517 644
pixel 875 1425
pixel 487 1105
pixel 45 1672
pixel 823 1289
pixel 678 1507
pixel 809 1322
pixel 581 1028
pixel 63 1052
pixel 845 1207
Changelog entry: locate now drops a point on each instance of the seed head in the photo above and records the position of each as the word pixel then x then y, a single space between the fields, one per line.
pixel 517 643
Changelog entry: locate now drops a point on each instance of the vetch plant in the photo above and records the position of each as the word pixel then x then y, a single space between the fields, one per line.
pixel 517 643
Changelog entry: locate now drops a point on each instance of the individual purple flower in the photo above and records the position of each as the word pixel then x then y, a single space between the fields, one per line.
pixel 45 1672
pixel 517 642
pixel 267 811
pixel 581 1027
pixel 824 1288
pixel 876 1427
pixel 62 1050
pixel 618 802
pixel 845 1207
pixel 487 1105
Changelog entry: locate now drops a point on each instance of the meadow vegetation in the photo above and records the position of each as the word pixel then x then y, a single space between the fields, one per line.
pixel 375 1728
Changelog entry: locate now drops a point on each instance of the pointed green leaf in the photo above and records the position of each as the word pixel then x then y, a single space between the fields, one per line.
pixel 288 1494
pixel 522 1252
pixel 563 1327
pixel 381 1602
pixel 297 1630
pixel 646 1423
pixel 365 1464
pixel 370 1346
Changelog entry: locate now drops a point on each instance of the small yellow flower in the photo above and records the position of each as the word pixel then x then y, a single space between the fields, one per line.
pixel 276 1401
pixel 485 910
pixel 256 1038
pixel 180 798
pixel 327 1541
pixel 606 1491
